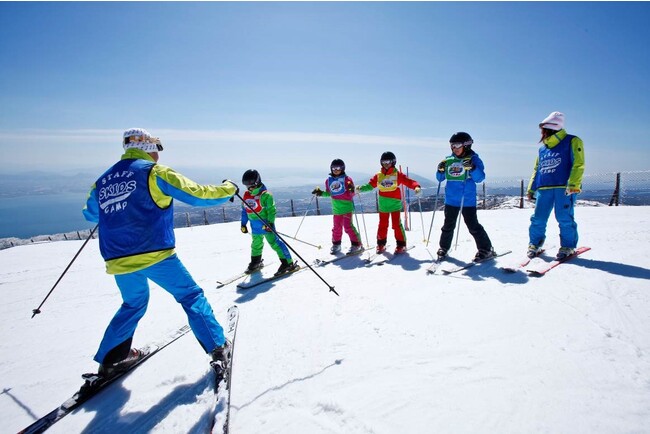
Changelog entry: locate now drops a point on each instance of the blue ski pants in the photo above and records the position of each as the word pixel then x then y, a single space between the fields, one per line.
pixel 547 201
pixel 172 276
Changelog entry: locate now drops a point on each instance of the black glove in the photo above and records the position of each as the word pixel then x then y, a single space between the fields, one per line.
pixel 232 199
pixel 317 191
pixel 244 229
pixel 441 166
pixel 467 164
pixel 267 228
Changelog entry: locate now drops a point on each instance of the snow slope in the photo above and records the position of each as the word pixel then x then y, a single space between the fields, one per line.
pixel 398 351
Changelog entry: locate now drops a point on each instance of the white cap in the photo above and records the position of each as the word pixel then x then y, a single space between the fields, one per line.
pixel 140 138
pixel 554 121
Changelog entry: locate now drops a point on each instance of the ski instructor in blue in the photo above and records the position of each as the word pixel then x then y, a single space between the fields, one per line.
pixel 133 204
pixel 554 184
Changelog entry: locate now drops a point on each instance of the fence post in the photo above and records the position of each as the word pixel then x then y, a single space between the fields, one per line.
pixel 293 212
pixel 617 190
pixel 205 217
pixel 317 206
pixel 521 195
pixel 187 216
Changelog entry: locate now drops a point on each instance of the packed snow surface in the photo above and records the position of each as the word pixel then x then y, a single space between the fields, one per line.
pixel 399 351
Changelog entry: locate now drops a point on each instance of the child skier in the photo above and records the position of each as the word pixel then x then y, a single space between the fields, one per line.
pixel 463 169
pixel 388 181
pixel 340 188
pixel 257 198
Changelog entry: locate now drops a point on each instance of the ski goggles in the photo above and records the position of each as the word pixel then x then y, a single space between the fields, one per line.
pixel 457 145
pixel 144 140
pixel 387 162
pixel 336 169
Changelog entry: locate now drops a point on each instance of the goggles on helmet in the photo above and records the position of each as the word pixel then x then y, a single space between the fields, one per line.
pixel 250 183
pixel 140 138
pixel 457 145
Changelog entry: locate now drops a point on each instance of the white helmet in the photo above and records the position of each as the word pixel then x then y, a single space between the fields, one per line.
pixel 140 138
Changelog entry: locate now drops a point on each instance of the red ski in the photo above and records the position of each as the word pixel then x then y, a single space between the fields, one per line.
pixel 545 267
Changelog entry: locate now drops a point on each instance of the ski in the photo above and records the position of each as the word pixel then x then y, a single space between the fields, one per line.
pixel 323 262
pixel 221 284
pixel 512 268
pixel 473 263
pixel 389 257
pixel 545 267
pixel 372 256
pixel 223 378
pixel 263 280
pixel 434 266
pixel 95 383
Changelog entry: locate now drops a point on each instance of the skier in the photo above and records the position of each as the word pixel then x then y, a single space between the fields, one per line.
pixel 463 169
pixel 554 184
pixel 259 199
pixel 340 188
pixel 133 204
pixel 388 181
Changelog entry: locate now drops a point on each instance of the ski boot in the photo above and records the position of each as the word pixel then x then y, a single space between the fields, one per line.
pixel 533 250
pixel 399 250
pixel 442 254
pixel 221 358
pixel 110 369
pixel 484 254
pixel 355 249
pixel 286 267
pixel 564 253
pixel 335 248
pixel 381 248
pixel 256 264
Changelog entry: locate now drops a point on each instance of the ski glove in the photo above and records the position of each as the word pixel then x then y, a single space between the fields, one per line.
pixel 531 196
pixel 232 199
pixel 467 164
pixel 418 190
pixel 569 191
pixel 358 188
pixel 317 191
pixel 244 229
pixel 441 166
pixel 267 228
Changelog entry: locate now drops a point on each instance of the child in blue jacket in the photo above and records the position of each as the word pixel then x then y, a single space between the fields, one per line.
pixel 462 170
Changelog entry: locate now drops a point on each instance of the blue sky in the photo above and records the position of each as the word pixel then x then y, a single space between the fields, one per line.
pixel 295 85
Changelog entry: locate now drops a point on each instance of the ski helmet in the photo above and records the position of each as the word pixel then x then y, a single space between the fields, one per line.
pixel 337 162
pixel 251 178
pixel 388 156
pixel 140 138
pixel 463 139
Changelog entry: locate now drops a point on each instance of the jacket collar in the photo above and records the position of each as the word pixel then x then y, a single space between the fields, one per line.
pixel 136 154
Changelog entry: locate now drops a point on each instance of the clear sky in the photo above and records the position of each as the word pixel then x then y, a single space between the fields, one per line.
pixel 297 84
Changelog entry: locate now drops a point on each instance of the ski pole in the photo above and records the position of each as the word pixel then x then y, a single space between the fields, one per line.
pixel 363 219
pixel 268 225
pixel 435 207
pixel 303 217
pixel 38 309
pixel 300 241
pixel 421 219
pixel 460 214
